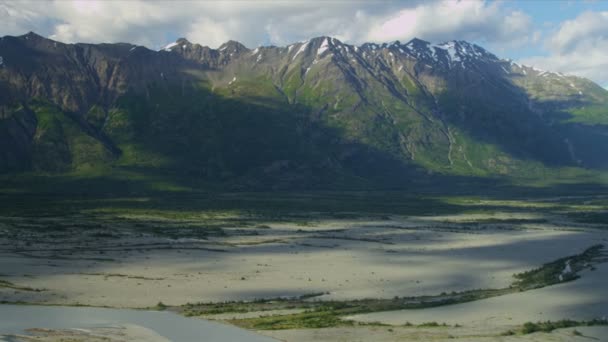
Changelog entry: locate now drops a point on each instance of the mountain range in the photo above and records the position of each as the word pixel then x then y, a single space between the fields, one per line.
pixel 310 114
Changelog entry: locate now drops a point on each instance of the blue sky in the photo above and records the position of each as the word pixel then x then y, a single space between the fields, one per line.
pixel 566 36
pixel 547 16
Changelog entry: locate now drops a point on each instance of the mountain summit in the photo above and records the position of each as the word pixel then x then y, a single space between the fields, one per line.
pixel 313 112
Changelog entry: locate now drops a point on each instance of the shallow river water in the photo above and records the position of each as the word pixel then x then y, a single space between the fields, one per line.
pixel 14 319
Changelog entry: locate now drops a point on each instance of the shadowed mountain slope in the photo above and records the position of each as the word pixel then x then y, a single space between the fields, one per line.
pixel 314 112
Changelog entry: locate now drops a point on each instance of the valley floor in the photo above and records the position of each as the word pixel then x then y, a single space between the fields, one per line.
pixel 151 260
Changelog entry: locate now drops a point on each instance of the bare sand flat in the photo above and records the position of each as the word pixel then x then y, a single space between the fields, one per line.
pixel 123 333
pixel 341 259
pixel 583 299
pixel 391 334
pixel 348 259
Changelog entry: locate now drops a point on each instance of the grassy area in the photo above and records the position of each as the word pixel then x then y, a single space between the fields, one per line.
pixel 200 309
pixel 591 115
pixel 306 320
pixel 125 198
pixel 554 272
pixel 315 319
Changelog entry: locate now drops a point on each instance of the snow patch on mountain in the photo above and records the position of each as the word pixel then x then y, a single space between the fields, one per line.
pixel 572 85
pixel 302 48
pixel 450 48
pixel 324 46
pixel 169 46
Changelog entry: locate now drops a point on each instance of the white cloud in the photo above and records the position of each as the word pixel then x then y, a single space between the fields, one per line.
pixel 448 20
pixel 19 18
pixel 96 21
pixel 209 31
pixel 582 32
pixel 153 23
pixel 578 46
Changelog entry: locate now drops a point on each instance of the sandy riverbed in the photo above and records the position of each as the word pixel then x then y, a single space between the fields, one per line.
pixel 345 259
pixel 402 334
pixel 583 299
pixel 123 333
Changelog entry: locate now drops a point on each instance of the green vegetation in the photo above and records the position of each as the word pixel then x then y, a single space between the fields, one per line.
pixel 591 115
pixel 60 144
pixel 432 325
pixel 249 136
pixel 553 272
pixel 201 309
pixel 183 156
pixel 29 196
pixel 315 319
pixel 306 320
pixel 337 124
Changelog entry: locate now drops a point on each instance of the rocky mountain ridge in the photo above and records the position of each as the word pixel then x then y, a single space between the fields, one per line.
pixel 320 107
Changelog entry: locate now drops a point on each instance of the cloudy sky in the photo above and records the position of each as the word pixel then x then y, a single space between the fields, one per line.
pixel 566 36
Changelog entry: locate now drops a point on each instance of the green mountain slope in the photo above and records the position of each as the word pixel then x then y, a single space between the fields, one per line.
pixel 309 114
